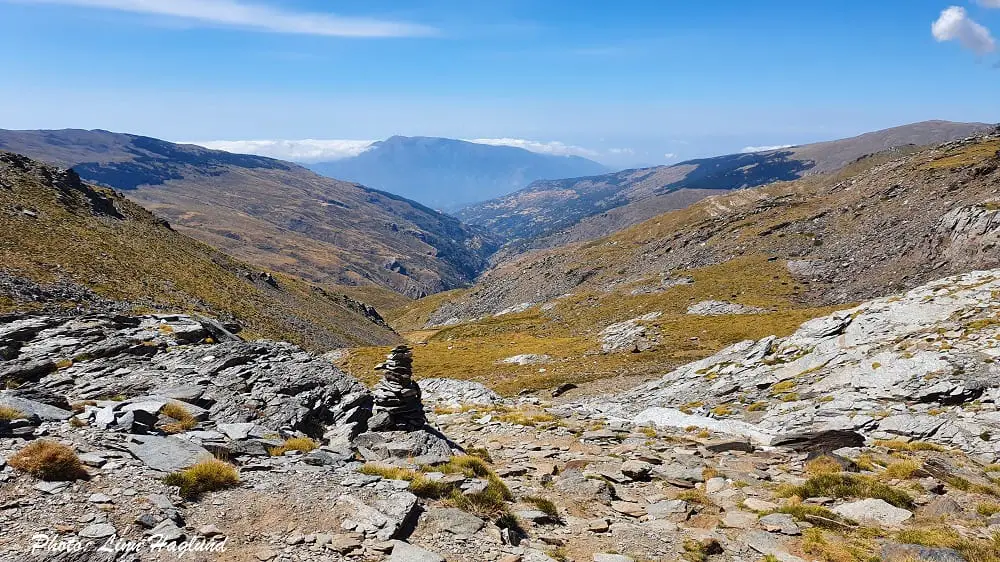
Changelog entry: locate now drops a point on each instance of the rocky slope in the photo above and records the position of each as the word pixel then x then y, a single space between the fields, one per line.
pixel 449 173
pixel 274 214
pixel 551 213
pixel 884 452
pixel 68 245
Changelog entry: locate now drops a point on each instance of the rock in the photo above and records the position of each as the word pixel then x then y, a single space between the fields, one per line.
pixel 51 487
pixel 344 543
pixel 451 392
pixel 97 531
pixel 675 510
pixel 526 359
pixel 721 308
pixel 99 498
pixel 454 521
pixel 768 544
pixel 384 515
pixel 562 389
pixel 598 525
pixel 166 531
pixel 166 454
pixel 739 520
pixel 757 504
pixel 636 470
pixel 30 408
pixel 575 484
pixel 628 508
pixel 630 335
pixel 715 485
pixel 875 510
pixel 941 506
pixel 209 531
pixel 724 445
pixel 780 523
pixel 92 459
pixel 405 552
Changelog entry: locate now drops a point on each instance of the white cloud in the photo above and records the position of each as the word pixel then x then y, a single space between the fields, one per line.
pixel 954 24
pixel 550 147
pixel 259 17
pixel 307 150
pixel 747 149
pixel 990 3
pixel 670 155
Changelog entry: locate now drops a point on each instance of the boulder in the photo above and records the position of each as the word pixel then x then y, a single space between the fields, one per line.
pixel 873 510
pixel 166 454
pixel 405 552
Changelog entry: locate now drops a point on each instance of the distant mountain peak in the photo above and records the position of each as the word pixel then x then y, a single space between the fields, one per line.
pixel 448 173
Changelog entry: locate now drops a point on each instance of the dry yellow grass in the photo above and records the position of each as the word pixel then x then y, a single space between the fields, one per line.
pixel 48 460
pixel 568 333
pixel 184 420
pixel 206 476
pixel 823 465
pixel 301 444
pixel 9 414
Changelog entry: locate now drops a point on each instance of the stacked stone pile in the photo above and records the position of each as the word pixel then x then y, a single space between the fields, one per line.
pixel 398 403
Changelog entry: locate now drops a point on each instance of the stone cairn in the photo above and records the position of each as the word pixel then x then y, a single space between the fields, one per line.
pixel 397 396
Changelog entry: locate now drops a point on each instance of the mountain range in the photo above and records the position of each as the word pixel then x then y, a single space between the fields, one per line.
pixel 275 214
pixel 448 173
pixel 550 213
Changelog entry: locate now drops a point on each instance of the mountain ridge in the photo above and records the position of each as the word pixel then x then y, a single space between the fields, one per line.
pixel 548 214
pixel 275 214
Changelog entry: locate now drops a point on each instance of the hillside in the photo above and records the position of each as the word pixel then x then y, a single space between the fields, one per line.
pixel 69 245
pixel 274 214
pixel 449 173
pixel 732 267
pixel 551 213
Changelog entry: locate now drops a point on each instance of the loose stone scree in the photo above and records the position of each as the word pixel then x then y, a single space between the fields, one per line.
pixel 398 403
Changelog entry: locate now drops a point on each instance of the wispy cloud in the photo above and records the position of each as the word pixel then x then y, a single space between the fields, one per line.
pixel 306 151
pixel 954 24
pixel 255 16
pixel 989 3
pixel 748 149
pixel 546 147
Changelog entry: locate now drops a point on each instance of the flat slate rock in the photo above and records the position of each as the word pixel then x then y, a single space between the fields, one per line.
pixel 32 408
pixel 166 454
pixel 406 552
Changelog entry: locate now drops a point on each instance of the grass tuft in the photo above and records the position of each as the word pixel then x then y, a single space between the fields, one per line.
pixel 49 460
pixel 823 465
pixel 544 505
pixel 10 414
pixel 849 486
pixel 184 421
pixel 301 444
pixel 206 476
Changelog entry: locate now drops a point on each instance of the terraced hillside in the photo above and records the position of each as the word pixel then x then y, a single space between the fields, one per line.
pixel 274 214
pixel 66 244
pixel 729 268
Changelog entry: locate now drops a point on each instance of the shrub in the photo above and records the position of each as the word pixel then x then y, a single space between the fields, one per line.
pixel 49 460
pixel 9 414
pixel 849 486
pixel 815 514
pixel 988 509
pixel 695 496
pixel 184 419
pixel 757 407
pixel 420 484
pixel 531 420
pixel 302 444
pixel 206 476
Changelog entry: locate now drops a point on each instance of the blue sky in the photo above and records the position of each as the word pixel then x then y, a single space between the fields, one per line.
pixel 625 82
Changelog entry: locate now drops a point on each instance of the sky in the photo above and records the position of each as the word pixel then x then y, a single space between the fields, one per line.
pixel 630 82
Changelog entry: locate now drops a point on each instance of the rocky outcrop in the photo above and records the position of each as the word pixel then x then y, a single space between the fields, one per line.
pixel 124 370
pixel 920 366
